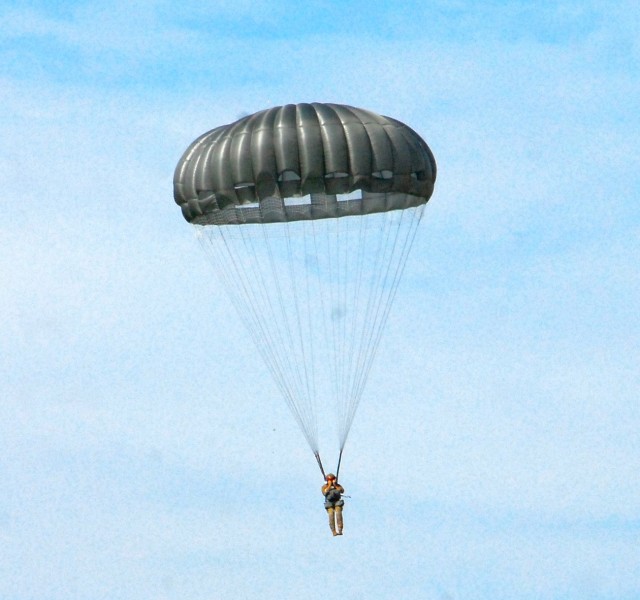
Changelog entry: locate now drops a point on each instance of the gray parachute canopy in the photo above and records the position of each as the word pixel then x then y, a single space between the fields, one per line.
pixel 266 195
pixel 244 172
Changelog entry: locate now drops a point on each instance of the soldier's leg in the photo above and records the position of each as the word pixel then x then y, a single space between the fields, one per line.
pixel 339 519
pixel 332 523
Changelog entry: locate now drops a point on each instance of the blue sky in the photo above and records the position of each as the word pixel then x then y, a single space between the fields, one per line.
pixel 146 453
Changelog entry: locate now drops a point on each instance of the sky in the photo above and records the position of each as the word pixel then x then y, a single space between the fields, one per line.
pixel 146 452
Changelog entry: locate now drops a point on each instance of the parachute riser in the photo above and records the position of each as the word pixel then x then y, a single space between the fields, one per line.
pixel 317 455
pixel 338 467
pixel 319 461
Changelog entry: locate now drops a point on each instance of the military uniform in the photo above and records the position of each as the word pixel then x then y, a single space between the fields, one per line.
pixel 333 503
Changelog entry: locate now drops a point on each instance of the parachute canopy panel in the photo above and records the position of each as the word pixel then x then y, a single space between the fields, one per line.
pixel 332 160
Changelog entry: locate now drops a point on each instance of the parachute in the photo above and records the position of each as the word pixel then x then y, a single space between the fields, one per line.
pixel 308 213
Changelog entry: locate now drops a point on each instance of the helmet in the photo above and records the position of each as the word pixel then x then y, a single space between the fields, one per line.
pixel 329 476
